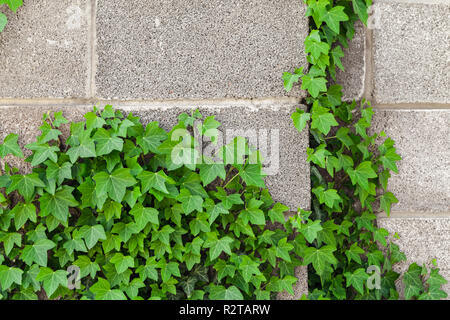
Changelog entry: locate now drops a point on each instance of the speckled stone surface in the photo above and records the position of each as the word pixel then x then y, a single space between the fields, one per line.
pixel 283 147
pixel 412 52
pixel 422 239
pixel 352 79
pixel 164 49
pixel 300 288
pixel 44 50
pixel 422 138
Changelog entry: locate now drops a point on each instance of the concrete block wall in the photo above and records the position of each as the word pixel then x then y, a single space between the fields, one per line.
pixel 159 58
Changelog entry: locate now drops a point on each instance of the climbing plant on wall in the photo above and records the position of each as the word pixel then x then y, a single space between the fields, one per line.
pixel 351 258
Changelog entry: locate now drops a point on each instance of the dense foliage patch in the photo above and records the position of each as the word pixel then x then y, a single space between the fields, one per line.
pixel 141 216
pixel 350 171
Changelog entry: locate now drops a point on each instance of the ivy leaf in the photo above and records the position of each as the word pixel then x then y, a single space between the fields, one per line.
pixel 93 121
pixel 283 248
pixel 217 246
pixel 314 85
pixel 282 284
pixel 300 118
pixel 13 4
pixel 333 17
pixel 148 271
pixel 37 252
pixel 311 229
pixel 58 204
pixel 89 197
pixel 25 184
pixel 222 293
pixel 9 240
pixel 320 258
pixel 337 54
pixel 380 235
pixel 224 270
pixel 52 279
pixel 362 174
pixel 10 275
pixel 58 172
pixel 48 133
pixel 190 202
pixel 433 293
pixel 252 175
pixel 357 279
pixel 42 152
pixel 210 171
pixel 74 244
pixel 359 6
pixel 10 145
pixel 315 46
pixel 168 269
pixel 290 79
pixel 59 119
pixel 276 214
pixel 106 143
pixel 330 197
pixel 122 262
pixel 87 267
pixel 23 212
pixel 112 210
pixel 3 21
pixel 114 184
pixel 91 234
pixel 435 279
pixel 354 253
pixel 155 180
pixel 102 291
pixel 413 281
pixel 389 159
pixel 322 120
pixel 143 215
pixel 152 138
pixel 85 149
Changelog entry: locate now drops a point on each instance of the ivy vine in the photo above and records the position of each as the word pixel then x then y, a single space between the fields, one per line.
pixel 350 169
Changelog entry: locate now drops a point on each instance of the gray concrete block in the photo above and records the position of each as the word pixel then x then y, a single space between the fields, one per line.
pixel 198 49
pixel 44 50
pixel 412 52
pixel 300 288
pixel 421 138
pixel 422 239
pixel 352 79
pixel 267 125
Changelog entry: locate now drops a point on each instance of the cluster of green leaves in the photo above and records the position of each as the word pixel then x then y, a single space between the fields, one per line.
pixel 350 169
pixel 112 201
pixel 13 5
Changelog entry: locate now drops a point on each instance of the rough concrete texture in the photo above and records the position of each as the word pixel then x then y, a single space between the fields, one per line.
pixel 411 52
pixel 422 239
pixel 300 288
pixel 198 49
pixel 352 79
pixel 267 126
pixel 422 139
pixel 43 50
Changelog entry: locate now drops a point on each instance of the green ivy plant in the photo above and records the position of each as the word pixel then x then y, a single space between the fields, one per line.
pixel 350 169
pixel 114 202
pixel 13 5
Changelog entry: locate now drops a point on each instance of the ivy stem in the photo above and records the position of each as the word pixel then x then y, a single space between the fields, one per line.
pixel 231 180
